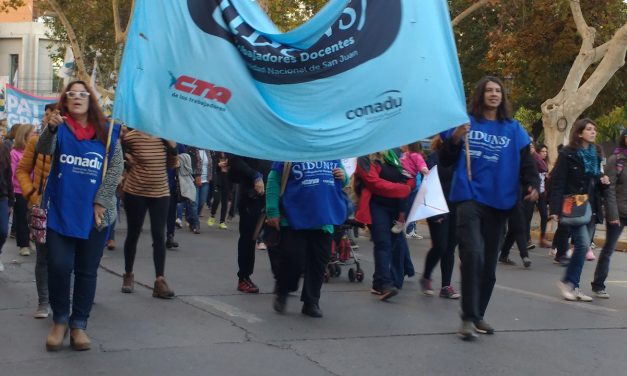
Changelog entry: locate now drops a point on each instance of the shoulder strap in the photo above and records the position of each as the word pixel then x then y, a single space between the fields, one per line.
pixel 107 149
pixel 287 166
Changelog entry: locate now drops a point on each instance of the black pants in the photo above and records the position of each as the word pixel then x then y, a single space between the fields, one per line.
pixel 308 249
pixel 136 207
pixel 544 216
pixel 479 231
pixel 221 194
pixel 22 235
pixel 516 231
pixel 443 243
pixel 250 210
pixel 171 220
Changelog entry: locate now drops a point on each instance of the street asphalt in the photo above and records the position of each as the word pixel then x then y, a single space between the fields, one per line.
pixel 212 329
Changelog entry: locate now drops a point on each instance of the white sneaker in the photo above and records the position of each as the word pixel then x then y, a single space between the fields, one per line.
pixel 567 290
pixel 24 251
pixel 398 227
pixel 42 312
pixel 590 255
pixel 261 246
pixel 1 266
pixel 552 252
pixel 580 296
pixel 569 253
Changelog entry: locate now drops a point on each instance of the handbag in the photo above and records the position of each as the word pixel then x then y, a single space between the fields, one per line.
pixel 272 236
pixel 576 210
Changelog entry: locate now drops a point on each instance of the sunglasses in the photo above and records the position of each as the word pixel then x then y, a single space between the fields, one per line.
pixel 77 94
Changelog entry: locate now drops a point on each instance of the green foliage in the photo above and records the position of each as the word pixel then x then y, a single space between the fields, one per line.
pixel 611 124
pixel 92 21
pixel 536 42
pixel 527 117
pixel 8 5
pixel 288 14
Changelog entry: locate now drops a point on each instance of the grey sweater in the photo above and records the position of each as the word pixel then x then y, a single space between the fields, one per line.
pixel 106 193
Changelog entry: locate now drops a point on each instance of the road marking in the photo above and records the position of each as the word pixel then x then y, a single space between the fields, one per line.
pixel 588 306
pixel 228 309
pixel 617 282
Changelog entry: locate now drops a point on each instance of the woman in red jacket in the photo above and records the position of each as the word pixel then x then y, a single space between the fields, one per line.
pixel 381 185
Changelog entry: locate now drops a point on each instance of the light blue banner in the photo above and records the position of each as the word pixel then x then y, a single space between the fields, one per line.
pixel 22 107
pixel 361 76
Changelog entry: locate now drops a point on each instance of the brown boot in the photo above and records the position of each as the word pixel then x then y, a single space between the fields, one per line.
pixel 55 337
pixel 79 340
pixel 162 290
pixel 128 283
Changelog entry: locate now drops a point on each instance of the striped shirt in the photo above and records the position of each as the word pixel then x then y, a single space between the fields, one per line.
pixel 147 175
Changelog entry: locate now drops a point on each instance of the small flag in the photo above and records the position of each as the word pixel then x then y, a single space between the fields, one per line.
pixel 67 70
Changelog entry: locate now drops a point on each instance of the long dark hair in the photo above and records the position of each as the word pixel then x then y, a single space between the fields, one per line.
pixel 477 102
pixel 95 117
pixel 574 140
pixel 621 141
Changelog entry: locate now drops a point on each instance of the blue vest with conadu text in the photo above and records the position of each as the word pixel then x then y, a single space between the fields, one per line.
pixel 74 181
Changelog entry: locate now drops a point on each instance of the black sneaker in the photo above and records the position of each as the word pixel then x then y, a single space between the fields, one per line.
pixel 530 246
pixel 467 331
pixel 311 310
pixel 507 261
pixel 483 327
pixel 279 303
pixel 526 262
pixel 171 243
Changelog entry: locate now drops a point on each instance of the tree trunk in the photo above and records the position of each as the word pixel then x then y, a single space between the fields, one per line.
pixel 559 113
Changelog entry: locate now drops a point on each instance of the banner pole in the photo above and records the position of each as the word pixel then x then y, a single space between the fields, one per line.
pixel 467 149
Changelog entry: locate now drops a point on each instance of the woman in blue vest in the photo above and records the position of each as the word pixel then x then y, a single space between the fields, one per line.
pixel 500 161
pixel 80 198
pixel 312 202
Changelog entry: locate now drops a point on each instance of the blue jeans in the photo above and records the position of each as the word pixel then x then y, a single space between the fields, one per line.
pixel 383 239
pixel 67 255
pixel 191 213
pixel 202 193
pixel 4 221
pixel 581 236
pixel 401 262
pixel 603 265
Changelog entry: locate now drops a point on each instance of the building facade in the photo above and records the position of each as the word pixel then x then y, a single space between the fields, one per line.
pixel 24 53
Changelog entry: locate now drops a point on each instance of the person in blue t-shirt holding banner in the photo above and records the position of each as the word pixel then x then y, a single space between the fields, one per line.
pixel 305 210
pixel 485 187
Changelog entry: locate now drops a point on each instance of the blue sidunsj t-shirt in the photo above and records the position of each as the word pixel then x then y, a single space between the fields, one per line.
pixel 313 197
pixel 495 164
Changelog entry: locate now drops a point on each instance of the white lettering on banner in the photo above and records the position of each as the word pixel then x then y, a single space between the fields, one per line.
pixel 301 168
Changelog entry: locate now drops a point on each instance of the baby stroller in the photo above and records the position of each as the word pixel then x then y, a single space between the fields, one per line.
pixel 343 254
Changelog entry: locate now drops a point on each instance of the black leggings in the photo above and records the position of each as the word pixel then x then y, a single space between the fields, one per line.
pixel 136 207
pixel 22 234
pixel 222 185
pixel 444 242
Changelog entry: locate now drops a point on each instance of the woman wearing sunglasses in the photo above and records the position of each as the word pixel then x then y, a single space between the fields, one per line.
pixel 80 201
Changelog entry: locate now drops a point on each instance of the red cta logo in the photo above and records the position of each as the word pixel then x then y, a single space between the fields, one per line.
pixel 203 89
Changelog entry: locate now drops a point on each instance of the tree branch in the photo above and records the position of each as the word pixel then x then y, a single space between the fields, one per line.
pixel 471 9
pixel 613 60
pixel 586 53
pixel 78 54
